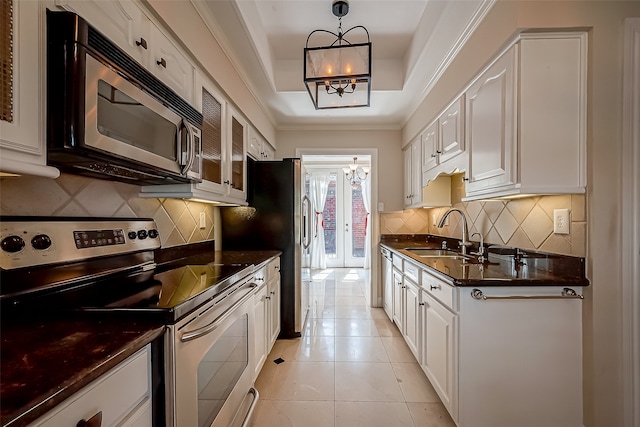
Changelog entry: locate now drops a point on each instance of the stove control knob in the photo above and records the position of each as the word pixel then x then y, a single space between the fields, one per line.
pixel 142 234
pixel 12 244
pixel 132 235
pixel 153 233
pixel 41 242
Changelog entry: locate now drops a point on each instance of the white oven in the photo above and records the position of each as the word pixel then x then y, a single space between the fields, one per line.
pixel 209 362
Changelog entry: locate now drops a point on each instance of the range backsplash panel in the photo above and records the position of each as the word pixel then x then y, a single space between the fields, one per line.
pixel 71 195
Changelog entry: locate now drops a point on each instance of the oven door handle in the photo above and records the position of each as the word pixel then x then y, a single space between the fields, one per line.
pixel 207 329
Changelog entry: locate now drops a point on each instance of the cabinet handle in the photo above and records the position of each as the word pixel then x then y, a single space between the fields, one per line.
pixel 142 43
pixel 227 182
pixel 434 156
pixel 162 63
pixel 272 292
pixel 435 287
pixel 465 179
pixel 420 303
pixel 438 151
pixel 95 421
pixel 267 297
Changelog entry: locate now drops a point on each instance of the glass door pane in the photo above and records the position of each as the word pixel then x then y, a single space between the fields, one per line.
pixel 330 220
pixel 359 220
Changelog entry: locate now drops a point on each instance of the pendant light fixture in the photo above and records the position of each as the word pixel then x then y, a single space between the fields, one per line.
pixel 339 75
pixel 355 174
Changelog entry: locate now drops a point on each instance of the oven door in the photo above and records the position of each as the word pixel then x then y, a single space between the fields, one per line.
pixel 123 120
pixel 212 370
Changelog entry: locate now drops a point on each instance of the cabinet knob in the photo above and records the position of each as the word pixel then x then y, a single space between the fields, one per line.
pixel 272 292
pixel 142 43
pixel 162 63
pixel 268 297
pixel 227 182
pixel 438 151
pixel 421 304
pixel 465 179
pixel 95 421
pixel 435 287
pixel 434 156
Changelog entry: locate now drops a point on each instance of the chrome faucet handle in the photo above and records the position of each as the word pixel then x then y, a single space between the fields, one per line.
pixel 481 247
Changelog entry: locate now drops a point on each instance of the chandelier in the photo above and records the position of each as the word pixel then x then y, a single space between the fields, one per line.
pixel 338 75
pixel 355 174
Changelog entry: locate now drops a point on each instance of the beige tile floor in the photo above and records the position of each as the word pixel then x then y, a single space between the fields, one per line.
pixel 350 368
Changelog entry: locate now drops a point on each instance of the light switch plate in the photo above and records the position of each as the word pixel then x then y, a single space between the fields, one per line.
pixel 203 220
pixel 380 206
pixel 561 221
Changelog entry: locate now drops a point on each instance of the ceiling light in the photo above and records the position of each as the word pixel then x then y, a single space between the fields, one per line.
pixel 355 174
pixel 338 75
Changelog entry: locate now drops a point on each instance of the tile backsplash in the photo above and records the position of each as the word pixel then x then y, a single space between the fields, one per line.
pixel 71 195
pixel 524 223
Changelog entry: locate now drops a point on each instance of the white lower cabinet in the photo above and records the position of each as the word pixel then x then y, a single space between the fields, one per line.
pixel 439 349
pixel 266 313
pixel 120 397
pixel 398 314
pixel 502 356
pixel 520 358
pixel 411 302
pixel 387 283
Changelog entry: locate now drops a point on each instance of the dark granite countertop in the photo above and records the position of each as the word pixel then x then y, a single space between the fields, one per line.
pixel 45 360
pixel 502 268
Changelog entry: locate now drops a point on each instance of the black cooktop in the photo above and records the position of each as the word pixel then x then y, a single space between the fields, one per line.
pixel 182 280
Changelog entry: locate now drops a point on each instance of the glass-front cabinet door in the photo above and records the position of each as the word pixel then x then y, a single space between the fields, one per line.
pixel 236 156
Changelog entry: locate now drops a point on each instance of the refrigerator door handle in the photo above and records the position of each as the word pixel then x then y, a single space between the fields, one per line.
pixel 306 215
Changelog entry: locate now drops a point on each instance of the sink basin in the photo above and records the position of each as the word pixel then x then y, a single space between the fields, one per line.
pixel 437 253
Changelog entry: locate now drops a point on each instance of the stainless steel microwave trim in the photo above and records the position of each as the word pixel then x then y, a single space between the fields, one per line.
pixel 96 71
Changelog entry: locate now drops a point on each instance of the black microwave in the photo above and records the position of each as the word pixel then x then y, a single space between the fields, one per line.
pixel 108 117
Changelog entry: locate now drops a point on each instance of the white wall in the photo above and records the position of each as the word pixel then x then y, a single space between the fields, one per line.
pixel 602 305
pixel 387 142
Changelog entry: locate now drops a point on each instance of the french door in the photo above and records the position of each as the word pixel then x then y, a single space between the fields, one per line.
pixel 345 223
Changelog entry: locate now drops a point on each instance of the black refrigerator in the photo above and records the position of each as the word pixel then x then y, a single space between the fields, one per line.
pixel 278 217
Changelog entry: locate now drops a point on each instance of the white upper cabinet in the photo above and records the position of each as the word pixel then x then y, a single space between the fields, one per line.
pixel 224 151
pixel 491 127
pixel 121 21
pixel 442 141
pixel 169 64
pixel 22 121
pixel 413 174
pixel 126 25
pixel 430 147
pixel 526 119
pixel 257 147
pixel 235 164
pixel 451 131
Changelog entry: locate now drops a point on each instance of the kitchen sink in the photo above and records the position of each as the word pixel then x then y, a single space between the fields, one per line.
pixel 437 253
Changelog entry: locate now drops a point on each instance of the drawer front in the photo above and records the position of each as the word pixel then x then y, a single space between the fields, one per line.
pixel 440 290
pixel 397 261
pixel 412 271
pixel 116 394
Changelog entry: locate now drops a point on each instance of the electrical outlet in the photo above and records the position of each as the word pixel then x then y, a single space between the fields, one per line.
pixel 434 219
pixel 203 220
pixel 561 221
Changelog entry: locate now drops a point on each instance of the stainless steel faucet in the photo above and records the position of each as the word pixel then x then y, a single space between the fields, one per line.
pixel 465 243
